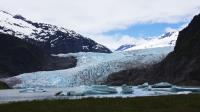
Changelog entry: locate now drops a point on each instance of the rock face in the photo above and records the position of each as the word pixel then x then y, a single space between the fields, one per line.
pixel 51 38
pixel 182 66
pixel 17 56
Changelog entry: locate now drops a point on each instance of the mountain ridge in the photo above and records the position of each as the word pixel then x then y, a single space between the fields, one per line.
pixel 180 67
pixel 49 37
pixel 167 39
pixel 18 56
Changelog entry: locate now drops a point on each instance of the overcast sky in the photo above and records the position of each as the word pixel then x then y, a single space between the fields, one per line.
pixel 110 22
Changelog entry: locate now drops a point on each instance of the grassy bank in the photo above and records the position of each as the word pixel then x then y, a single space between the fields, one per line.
pixel 182 103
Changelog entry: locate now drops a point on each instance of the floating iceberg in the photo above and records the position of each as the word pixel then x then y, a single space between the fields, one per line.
pixel 127 89
pixel 161 89
pixel 60 93
pixel 32 90
pixel 145 85
pixel 162 85
pixel 89 90
pixel 96 91
pixel 100 89
pixel 183 89
pixel 76 93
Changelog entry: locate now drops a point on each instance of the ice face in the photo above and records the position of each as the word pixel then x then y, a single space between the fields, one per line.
pixel 92 68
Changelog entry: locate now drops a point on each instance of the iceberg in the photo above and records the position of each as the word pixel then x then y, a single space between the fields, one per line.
pixel 161 89
pixel 100 89
pixel 182 89
pixel 75 93
pixel 162 85
pixel 70 93
pixel 94 91
pixel 145 85
pixel 127 89
pixel 32 90
pixel 88 90
pixel 60 93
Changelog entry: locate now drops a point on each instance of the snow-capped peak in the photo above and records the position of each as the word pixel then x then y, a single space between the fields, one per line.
pixel 124 47
pixel 20 27
pixel 55 39
pixel 167 39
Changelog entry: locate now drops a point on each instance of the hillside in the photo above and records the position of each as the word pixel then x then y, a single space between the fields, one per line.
pixel 51 38
pixel 17 56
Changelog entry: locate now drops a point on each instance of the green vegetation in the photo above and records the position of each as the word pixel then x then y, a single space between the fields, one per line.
pixel 18 56
pixel 181 103
pixel 3 86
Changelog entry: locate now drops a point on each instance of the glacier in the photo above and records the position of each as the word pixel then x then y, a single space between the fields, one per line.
pixel 92 68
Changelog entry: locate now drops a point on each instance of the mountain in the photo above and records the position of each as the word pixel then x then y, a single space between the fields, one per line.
pixel 168 39
pixel 49 37
pixel 124 47
pixel 182 66
pixel 18 56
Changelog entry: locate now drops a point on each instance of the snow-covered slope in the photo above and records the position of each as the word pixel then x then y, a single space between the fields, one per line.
pixel 50 37
pixel 124 47
pixel 168 39
pixel 92 68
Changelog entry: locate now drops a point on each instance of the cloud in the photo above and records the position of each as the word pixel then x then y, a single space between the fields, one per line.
pixel 97 16
pixel 169 29
pixel 114 41
pixel 94 17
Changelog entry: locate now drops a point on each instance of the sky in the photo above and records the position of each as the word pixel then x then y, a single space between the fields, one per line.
pixel 109 22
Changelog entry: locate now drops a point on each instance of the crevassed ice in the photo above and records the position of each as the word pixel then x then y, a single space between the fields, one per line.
pixel 92 68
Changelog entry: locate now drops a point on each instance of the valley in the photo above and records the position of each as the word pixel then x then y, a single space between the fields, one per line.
pixel 43 65
pixel 92 68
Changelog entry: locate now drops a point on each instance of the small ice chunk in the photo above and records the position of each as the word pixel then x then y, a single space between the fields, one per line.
pixel 100 89
pixel 60 93
pixel 162 85
pixel 182 89
pixel 145 85
pixel 75 93
pixel 127 89
pixel 32 90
